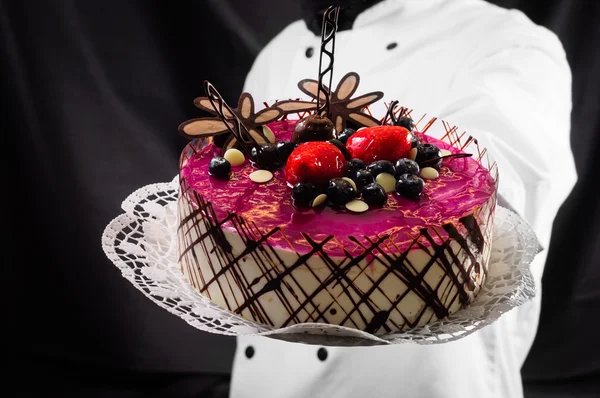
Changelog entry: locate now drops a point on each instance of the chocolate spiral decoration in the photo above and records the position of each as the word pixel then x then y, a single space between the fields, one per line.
pixel 451 156
pixel 390 114
pixel 328 31
pixel 234 124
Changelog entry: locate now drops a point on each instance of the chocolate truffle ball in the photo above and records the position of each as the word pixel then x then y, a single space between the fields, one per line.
pixel 313 128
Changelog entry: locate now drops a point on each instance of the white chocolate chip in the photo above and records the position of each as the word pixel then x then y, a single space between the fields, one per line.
pixel 235 157
pixel 412 155
pixel 319 200
pixel 269 134
pixel 357 206
pixel 429 173
pixel 445 152
pixel 261 176
pixel 387 181
pixel 351 182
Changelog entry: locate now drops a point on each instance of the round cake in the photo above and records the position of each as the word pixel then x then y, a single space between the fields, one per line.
pixel 377 225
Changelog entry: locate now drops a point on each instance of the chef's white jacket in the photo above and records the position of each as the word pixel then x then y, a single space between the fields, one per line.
pixel 493 73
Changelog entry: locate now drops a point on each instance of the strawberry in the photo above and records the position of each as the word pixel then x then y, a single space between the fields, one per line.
pixel 316 162
pixel 380 143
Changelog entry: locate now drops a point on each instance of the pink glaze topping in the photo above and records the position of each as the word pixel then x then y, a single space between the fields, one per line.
pixel 463 185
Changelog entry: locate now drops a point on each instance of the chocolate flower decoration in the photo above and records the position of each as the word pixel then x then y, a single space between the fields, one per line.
pixel 215 126
pixel 342 106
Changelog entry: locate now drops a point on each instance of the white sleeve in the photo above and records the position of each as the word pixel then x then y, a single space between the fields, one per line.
pixel 516 99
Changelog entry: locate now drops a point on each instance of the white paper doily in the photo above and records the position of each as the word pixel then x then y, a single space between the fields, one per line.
pixel 142 244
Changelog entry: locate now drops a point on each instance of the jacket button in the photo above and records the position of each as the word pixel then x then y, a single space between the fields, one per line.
pixel 249 352
pixel 322 354
pixel 392 45
pixel 309 52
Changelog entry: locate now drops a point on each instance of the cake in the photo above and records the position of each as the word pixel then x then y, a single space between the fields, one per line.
pixel 353 220
pixel 323 211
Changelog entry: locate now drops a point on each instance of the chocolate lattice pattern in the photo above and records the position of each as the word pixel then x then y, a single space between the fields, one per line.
pixel 350 292
pixel 379 289
pixel 142 244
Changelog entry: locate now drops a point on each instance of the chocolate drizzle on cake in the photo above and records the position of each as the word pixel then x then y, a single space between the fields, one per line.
pixel 201 227
pixel 474 231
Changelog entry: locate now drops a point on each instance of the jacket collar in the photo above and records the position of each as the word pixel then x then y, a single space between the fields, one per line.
pixel 347 18
pixel 373 14
pixel 381 10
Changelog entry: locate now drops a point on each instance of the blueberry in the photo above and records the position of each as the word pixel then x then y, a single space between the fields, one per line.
pixel 303 194
pixel 426 153
pixel 381 166
pixel 345 134
pixel 410 185
pixel 362 178
pixel 267 157
pixel 354 165
pixel 374 195
pixel 284 150
pixel 415 142
pixel 341 147
pixel 406 166
pixel 219 167
pixel 405 122
pixel 339 192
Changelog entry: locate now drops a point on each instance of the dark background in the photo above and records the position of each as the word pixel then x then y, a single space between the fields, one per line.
pixel 92 94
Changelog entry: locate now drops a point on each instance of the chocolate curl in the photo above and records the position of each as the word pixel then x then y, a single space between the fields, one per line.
pixel 454 155
pixel 328 31
pixel 390 114
pixel 233 123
